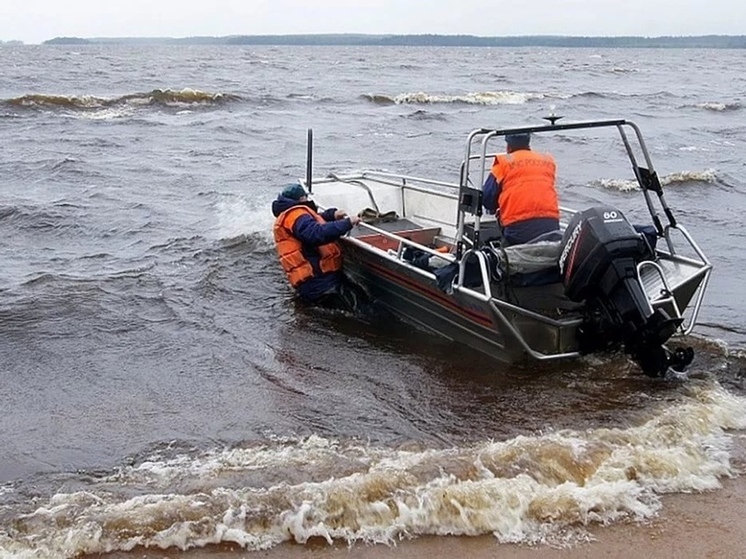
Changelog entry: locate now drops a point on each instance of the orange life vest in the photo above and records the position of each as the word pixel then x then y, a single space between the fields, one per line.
pixel 296 265
pixel 526 186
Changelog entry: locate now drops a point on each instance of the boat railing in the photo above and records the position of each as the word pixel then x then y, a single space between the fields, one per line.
pixel 498 307
pixel 477 151
pixel 394 179
pixel 483 271
pixel 495 307
pixel 703 263
pixel 402 243
pixel 409 188
pixel 690 241
pixel 667 297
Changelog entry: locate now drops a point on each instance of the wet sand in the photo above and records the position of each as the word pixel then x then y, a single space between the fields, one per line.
pixel 697 525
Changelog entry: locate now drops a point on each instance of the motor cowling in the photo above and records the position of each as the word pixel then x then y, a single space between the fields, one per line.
pixel 598 264
pixel 595 240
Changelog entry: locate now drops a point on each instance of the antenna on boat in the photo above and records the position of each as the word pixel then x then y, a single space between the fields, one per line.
pixel 553 117
pixel 309 161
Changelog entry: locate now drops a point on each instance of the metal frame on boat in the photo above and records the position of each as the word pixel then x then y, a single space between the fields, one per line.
pixel 432 257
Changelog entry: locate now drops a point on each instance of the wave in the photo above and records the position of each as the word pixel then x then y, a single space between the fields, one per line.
pixel 718 107
pixel 299 97
pixel 480 98
pixel 57 217
pixel 499 97
pixel 157 97
pixel 590 94
pixel 683 177
pixel 618 95
pixel 239 218
pixel 531 489
pixel 72 279
pixel 424 115
pixel 622 70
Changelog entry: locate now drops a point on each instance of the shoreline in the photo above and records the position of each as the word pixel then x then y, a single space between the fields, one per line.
pixel 709 524
pixel 421 40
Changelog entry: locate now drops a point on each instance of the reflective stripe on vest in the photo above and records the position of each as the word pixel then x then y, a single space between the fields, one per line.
pixel 290 250
pixel 526 186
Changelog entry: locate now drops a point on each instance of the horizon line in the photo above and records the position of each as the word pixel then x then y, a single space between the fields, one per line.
pixel 383 39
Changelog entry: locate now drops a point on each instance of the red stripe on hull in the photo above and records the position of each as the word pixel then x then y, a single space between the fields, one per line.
pixel 430 293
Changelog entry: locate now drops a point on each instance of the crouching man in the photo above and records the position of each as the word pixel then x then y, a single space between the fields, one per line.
pixel 310 255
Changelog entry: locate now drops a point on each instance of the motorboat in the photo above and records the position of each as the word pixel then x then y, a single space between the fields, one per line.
pixel 430 255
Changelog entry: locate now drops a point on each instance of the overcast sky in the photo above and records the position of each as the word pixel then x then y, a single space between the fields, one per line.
pixel 33 21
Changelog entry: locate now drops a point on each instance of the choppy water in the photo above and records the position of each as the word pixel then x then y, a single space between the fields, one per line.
pixel 159 385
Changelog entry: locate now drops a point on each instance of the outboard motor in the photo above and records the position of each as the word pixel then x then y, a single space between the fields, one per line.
pixel 598 264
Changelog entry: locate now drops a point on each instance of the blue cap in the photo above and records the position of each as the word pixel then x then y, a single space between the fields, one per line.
pixel 518 140
pixel 293 191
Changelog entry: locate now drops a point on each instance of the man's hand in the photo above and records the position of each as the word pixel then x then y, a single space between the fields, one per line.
pixel 354 219
pixel 340 214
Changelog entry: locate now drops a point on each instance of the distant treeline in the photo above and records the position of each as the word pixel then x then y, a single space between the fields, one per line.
pixel 701 41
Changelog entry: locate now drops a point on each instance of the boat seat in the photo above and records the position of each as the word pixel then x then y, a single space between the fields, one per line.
pixel 529 264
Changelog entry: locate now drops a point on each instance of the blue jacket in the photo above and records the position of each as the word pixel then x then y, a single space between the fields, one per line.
pixel 490 193
pixel 311 234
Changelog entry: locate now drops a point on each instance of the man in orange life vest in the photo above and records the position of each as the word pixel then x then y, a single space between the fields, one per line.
pixel 306 243
pixel 521 187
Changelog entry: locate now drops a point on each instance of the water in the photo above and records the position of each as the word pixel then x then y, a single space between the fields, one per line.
pixel 160 386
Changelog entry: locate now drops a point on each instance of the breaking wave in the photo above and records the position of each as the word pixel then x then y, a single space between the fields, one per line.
pixel 157 97
pixel 530 489
pixel 719 107
pixel 500 97
pixel 622 70
pixel 684 177
pixel 483 98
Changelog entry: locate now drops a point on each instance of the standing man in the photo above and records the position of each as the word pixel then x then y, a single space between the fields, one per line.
pixel 307 247
pixel 521 187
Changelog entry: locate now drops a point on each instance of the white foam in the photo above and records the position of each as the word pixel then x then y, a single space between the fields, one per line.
pixel 238 216
pixel 626 185
pixel 111 113
pixel 543 488
pixel 713 106
pixel 708 175
pixel 481 98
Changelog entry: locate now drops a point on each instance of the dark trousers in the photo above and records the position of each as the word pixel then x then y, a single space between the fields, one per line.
pixel 344 296
pixel 527 230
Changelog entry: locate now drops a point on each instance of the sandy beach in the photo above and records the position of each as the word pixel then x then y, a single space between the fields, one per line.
pixel 697 525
